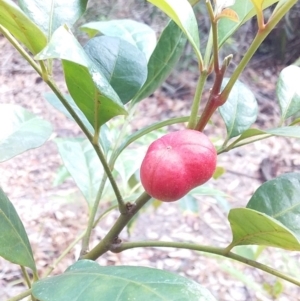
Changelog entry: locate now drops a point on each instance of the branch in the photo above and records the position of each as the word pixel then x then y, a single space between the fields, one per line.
pixel 112 237
pixel 213 250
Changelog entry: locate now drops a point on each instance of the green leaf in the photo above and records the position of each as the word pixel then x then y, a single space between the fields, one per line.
pixel 288 91
pixel 13 19
pixel 240 110
pixel 245 10
pixel 20 131
pixel 86 280
pixel 181 12
pixel 241 276
pixel 285 131
pixel 251 134
pixel 56 103
pixel 218 195
pixel 123 65
pixel 14 243
pixel 163 59
pixel 279 198
pixel 81 161
pixel 51 14
pixel 207 190
pixel 189 204
pixel 219 172
pixel 138 34
pixel 87 85
pixel 62 174
pixel 87 89
pixel 250 252
pixel 250 227
pixel 128 163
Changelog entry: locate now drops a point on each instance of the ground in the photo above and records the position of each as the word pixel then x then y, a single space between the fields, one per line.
pixel 55 216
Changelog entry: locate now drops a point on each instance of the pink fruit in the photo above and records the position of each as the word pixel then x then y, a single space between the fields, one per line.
pixel 177 163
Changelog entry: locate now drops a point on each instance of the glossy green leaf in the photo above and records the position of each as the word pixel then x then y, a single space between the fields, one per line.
pixel 51 14
pixel 86 280
pixel 288 91
pixel 104 131
pixel 138 34
pixel 123 65
pixel 12 18
pixel 163 59
pixel 14 243
pixel 240 110
pixel 81 161
pixel 20 130
pixel 87 89
pixel 250 227
pixel 245 10
pixel 181 12
pixel 279 198
pixel 87 85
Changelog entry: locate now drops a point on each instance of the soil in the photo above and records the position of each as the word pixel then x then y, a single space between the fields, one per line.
pixel 55 216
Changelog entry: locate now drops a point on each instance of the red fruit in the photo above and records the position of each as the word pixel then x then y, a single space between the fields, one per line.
pixel 177 163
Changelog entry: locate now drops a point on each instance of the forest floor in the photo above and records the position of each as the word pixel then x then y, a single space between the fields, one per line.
pixel 55 216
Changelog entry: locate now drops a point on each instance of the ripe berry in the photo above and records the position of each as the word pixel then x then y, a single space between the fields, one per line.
pixel 176 163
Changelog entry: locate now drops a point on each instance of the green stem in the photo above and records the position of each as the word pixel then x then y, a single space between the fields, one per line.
pixel 44 71
pixel 208 50
pixel 136 135
pixel 35 276
pixel 294 122
pixel 206 249
pixel 60 96
pixel 26 276
pixel 103 214
pixel 122 205
pixel 197 100
pixel 20 296
pixel 236 144
pixel 20 49
pixel 115 153
pixel 86 238
pixel 259 38
pixel 63 255
pixel 214 27
pixel 112 237
pixel 96 119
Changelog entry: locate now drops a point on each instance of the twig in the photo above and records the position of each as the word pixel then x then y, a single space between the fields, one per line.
pixel 112 237
pixel 206 249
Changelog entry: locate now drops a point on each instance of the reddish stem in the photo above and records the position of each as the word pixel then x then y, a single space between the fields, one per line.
pixel 215 100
